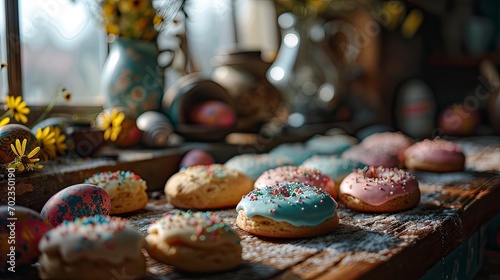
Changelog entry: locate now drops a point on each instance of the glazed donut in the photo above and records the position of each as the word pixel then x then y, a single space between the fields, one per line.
pixel 393 142
pixel 253 165
pixel 435 155
pixel 287 210
pixel 126 190
pixel 333 166
pixel 194 242
pixel 207 187
pixel 379 189
pixel 330 144
pixel 95 247
pixel 372 157
pixel 295 151
pixel 297 174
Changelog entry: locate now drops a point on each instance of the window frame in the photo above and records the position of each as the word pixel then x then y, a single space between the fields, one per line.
pixel 14 71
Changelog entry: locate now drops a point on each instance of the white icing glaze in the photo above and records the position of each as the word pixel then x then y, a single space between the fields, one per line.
pixel 117 182
pixel 200 229
pixel 93 238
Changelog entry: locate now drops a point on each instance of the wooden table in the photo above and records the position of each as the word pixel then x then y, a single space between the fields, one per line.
pixel 409 244
pixel 377 246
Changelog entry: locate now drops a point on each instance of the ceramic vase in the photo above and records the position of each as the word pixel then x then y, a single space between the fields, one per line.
pixel 131 77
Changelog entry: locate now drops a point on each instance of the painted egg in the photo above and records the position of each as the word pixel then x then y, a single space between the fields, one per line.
pixel 75 201
pixel 196 157
pixel 156 129
pixel 213 114
pixel 20 230
pixel 8 135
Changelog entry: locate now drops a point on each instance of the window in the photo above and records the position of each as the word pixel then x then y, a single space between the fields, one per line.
pixel 61 45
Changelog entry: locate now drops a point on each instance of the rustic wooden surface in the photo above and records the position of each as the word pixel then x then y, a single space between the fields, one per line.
pixel 406 244
pixel 402 245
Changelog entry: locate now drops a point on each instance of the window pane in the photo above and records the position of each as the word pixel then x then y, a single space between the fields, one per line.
pixel 62 45
pixel 3 53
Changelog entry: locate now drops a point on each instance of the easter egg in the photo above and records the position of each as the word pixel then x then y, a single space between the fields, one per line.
pixel 20 231
pixel 213 114
pixel 8 135
pixel 156 129
pixel 196 157
pixel 76 201
pixel 458 120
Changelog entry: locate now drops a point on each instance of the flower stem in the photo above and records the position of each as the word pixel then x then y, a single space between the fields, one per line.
pixel 48 108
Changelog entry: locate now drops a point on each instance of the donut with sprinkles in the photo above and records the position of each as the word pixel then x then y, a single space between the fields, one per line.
pixel 212 186
pixel 379 189
pixel 194 242
pixel 287 210
pixel 92 248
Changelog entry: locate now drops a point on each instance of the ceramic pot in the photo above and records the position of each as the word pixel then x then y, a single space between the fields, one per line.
pixel 243 74
pixel 131 77
pixel 184 95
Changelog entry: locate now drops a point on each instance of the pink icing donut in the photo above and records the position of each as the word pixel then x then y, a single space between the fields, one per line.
pixel 379 189
pixel 297 174
pixel 373 156
pixel 393 142
pixel 435 155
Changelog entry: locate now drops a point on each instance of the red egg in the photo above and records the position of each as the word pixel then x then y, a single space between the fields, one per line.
pixel 76 201
pixel 213 114
pixel 196 157
pixel 458 120
pixel 20 231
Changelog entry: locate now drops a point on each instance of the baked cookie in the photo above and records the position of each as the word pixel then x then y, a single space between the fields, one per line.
pixel 207 187
pixel 287 210
pixel 94 247
pixel 126 189
pixel 194 242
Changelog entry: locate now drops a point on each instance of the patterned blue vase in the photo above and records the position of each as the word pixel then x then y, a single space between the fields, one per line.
pixel 131 77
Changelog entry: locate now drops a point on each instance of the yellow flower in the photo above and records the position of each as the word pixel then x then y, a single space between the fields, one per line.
pixel 47 143
pixel 18 108
pixel 112 124
pixel 24 162
pixel 60 143
pixel 4 121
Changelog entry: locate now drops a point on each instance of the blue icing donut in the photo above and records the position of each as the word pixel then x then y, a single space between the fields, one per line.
pixel 332 166
pixel 295 203
pixel 296 151
pixel 330 144
pixel 254 165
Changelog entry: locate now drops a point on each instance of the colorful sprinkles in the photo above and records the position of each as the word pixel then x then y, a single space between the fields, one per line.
pixel 197 226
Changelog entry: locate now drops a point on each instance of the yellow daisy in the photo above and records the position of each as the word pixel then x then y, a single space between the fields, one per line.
pixel 18 108
pixel 47 143
pixel 4 121
pixel 60 142
pixel 112 124
pixel 24 161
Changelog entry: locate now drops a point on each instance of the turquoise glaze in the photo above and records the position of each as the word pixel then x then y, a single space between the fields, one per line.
pixel 295 203
pixel 296 151
pixel 253 165
pixel 332 166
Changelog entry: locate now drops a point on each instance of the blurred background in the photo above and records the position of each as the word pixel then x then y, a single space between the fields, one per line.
pixel 427 68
